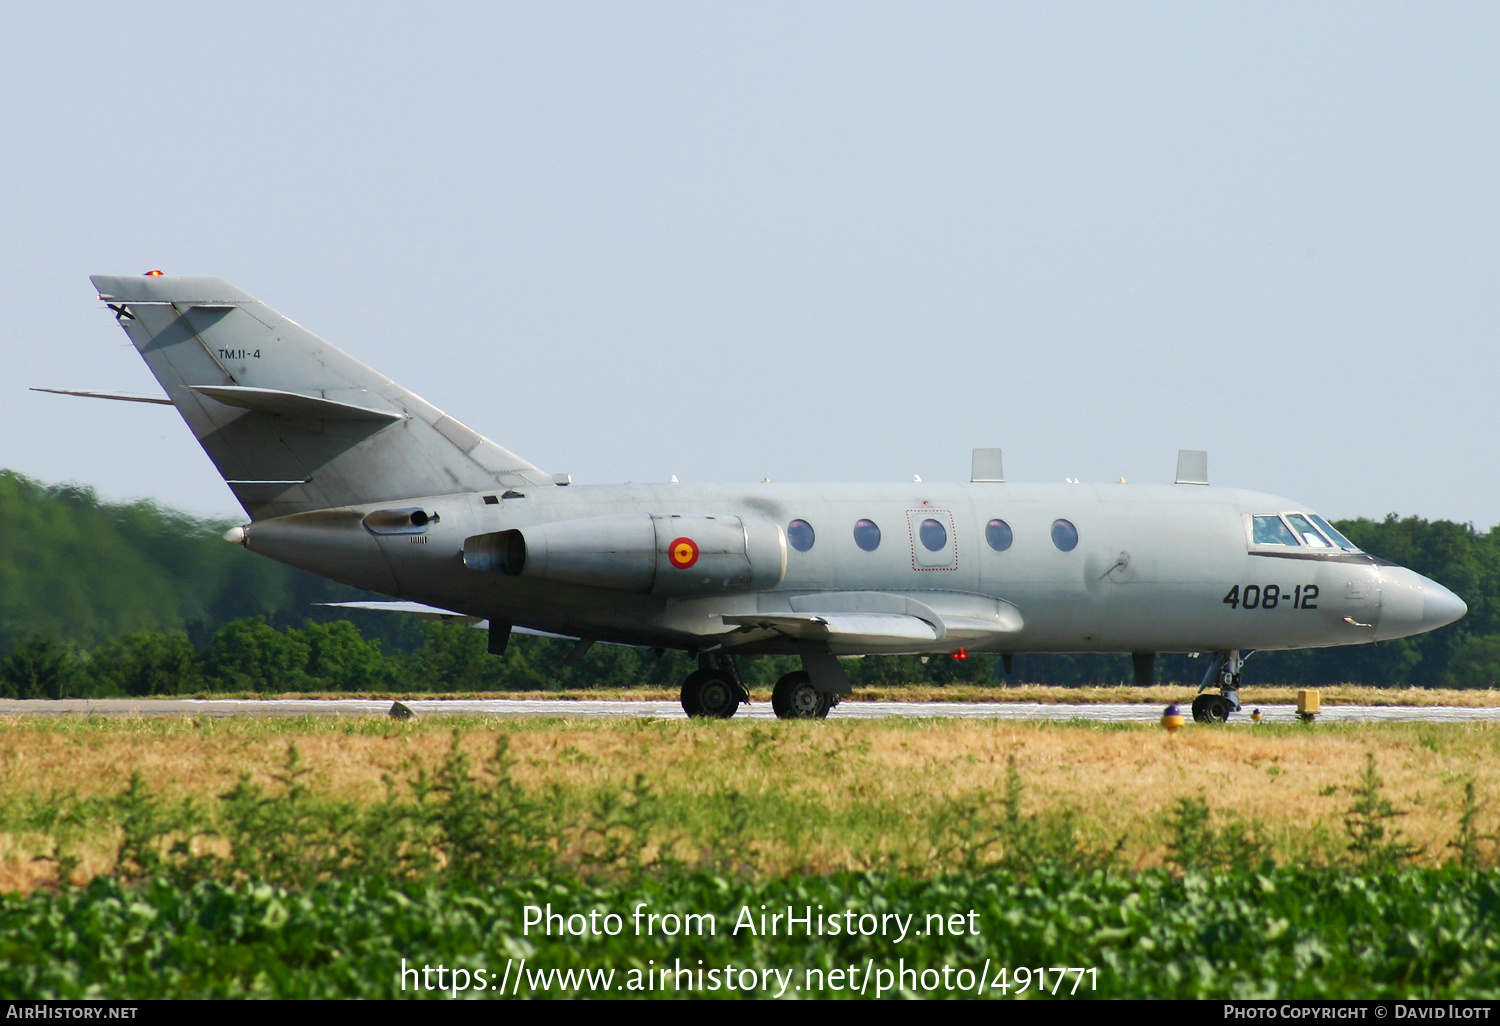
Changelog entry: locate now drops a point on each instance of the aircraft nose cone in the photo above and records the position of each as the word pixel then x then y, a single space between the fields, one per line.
pixel 1411 604
pixel 1440 606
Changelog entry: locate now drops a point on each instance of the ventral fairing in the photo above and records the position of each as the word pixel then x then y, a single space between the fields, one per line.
pixel 346 474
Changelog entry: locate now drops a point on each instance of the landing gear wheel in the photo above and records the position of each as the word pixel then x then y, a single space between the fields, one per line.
pixel 795 698
pixel 710 694
pixel 1211 709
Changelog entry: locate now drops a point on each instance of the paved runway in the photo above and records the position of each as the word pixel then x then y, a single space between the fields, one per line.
pixel 1105 713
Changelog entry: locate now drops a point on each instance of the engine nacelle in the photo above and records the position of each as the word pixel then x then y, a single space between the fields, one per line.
pixel 657 554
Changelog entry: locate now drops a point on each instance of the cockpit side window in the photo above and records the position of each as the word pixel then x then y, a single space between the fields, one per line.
pixel 1309 534
pixel 1328 529
pixel 1270 530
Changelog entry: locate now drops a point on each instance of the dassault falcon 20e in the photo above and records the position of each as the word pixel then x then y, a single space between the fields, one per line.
pixel 346 474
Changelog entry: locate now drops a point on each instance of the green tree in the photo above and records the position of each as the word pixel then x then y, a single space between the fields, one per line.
pixel 146 663
pixel 340 658
pixel 453 657
pixel 1475 663
pixel 250 655
pixel 38 668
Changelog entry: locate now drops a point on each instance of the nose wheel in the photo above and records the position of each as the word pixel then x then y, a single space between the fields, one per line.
pixel 1223 674
pixel 1210 709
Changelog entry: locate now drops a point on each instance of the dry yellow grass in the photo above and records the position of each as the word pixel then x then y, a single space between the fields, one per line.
pixel 822 794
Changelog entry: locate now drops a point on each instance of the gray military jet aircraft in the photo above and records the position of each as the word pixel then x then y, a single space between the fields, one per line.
pixel 346 474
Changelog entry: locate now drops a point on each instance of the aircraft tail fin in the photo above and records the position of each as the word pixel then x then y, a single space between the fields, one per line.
pixel 292 423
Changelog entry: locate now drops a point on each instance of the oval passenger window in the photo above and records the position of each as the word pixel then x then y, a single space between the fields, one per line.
pixel 997 533
pixel 933 534
pixel 867 535
pixel 1064 535
pixel 800 534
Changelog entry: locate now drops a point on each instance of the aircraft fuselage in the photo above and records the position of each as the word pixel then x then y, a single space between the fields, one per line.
pixel 1155 568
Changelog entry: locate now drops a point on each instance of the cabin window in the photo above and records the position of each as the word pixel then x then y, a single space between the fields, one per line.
pixel 867 535
pixel 997 533
pixel 800 534
pixel 1309 534
pixel 1064 535
pixel 934 535
pixel 1328 529
pixel 1269 530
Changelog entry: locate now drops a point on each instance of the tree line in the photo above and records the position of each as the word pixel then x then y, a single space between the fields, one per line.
pixel 132 599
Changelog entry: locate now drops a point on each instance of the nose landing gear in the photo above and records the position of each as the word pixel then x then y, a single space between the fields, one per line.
pixel 1224 674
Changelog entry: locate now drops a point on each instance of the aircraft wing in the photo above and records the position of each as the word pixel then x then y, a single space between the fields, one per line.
pixel 417 609
pixel 884 621
pixel 426 612
pixel 845 628
pixel 981 628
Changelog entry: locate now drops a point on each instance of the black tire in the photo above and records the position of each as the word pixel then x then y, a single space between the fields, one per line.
pixel 1200 714
pixel 710 695
pixel 1211 709
pixel 795 698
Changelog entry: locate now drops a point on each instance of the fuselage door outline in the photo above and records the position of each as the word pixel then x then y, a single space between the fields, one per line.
pixel 934 539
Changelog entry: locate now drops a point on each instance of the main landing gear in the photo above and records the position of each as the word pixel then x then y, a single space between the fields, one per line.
pixel 1224 674
pixel 714 690
pixel 795 698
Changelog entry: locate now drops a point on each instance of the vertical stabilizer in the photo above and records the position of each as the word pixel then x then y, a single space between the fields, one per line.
pixel 292 423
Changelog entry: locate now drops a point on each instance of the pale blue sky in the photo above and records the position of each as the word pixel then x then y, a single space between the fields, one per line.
pixel 806 241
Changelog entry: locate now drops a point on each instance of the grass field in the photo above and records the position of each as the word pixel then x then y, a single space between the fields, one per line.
pixel 308 857
pixel 919 796
pixel 1282 934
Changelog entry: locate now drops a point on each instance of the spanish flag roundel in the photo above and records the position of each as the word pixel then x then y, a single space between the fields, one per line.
pixel 683 553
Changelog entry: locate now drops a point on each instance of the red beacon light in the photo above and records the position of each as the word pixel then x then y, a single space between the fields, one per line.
pixel 961 654
pixel 153 274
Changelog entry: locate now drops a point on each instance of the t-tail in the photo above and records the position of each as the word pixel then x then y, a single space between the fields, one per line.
pixel 292 423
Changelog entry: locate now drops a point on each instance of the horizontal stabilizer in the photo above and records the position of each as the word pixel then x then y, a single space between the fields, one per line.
pixel 188 290
pixel 291 404
pixel 121 396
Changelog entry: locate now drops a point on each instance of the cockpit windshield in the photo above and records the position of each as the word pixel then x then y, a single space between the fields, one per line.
pixel 1269 530
pixel 1338 539
pixel 1309 534
pixel 1298 529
